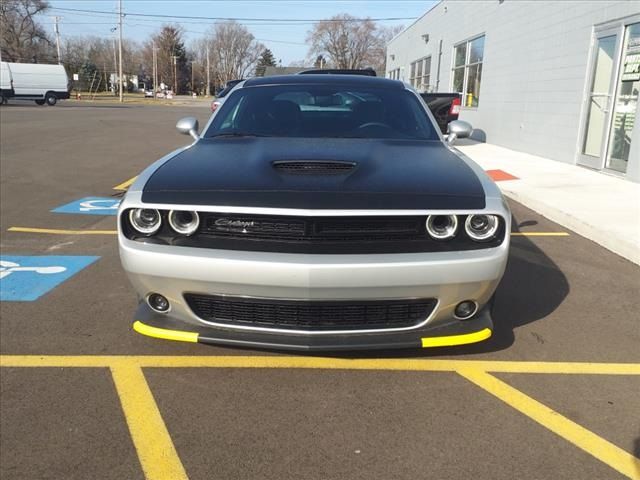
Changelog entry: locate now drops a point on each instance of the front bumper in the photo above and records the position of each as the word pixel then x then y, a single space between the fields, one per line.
pixel 156 325
pixel 449 277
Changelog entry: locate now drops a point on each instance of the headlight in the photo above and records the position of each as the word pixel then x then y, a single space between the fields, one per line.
pixel 481 227
pixel 184 222
pixel 145 220
pixel 442 227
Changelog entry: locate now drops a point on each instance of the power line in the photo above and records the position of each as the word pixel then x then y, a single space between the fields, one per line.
pixel 238 19
pixel 186 22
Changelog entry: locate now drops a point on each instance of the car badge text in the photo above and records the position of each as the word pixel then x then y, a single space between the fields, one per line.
pixel 233 225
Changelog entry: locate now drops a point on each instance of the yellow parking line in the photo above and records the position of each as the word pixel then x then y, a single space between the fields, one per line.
pixel 55 231
pixel 156 452
pixel 159 458
pixel 588 441
pixel 125 185
pixel 258 361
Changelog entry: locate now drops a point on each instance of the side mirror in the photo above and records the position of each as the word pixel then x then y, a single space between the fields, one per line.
pixel 188 126
pixel 458 129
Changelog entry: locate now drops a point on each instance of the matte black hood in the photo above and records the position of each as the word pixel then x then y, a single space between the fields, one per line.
pixel 389 174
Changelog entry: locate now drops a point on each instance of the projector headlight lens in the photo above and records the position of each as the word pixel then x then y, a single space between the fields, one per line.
pixel 145 220
pixel 442 227
pixel 184 221
pixel 481 227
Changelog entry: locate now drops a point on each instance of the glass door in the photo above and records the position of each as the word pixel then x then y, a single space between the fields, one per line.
pixel 598 118
pixel 625 104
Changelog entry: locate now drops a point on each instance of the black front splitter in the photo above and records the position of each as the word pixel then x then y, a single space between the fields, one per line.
pixel 457 332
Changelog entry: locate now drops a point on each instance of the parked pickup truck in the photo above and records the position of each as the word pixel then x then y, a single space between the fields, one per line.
pixel 444 106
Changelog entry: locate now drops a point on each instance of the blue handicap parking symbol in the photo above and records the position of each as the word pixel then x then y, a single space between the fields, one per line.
pixel 26 278
pixel 91 206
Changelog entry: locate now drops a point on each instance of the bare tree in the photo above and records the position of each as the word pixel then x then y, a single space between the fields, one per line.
pixel 378 53
pixel 234 51
pixel 345 40
pixel 88 54
pixel 23 39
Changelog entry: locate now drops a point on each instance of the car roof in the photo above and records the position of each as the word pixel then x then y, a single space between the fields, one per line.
pixel 325 79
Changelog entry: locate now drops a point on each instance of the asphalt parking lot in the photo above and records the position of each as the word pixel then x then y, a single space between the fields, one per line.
pixel 555 393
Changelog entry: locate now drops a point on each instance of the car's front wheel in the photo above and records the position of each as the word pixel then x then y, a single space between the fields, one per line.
pixel 39 102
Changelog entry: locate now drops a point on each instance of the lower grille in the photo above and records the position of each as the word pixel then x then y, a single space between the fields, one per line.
pixel 312 315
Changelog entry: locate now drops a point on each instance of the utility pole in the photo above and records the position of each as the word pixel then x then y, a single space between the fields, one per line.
pixel 175 75
pixel 120 47
pixel 57 30
pixel 208 69
pixel 155 70
pixel 115 66
pixel 192 86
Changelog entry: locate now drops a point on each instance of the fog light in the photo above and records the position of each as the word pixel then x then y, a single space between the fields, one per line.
pixel 466 309
pixel 158 302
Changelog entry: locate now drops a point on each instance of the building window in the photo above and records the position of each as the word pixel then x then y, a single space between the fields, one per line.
pixel 394 74
pixel 421 74
pixel 467 70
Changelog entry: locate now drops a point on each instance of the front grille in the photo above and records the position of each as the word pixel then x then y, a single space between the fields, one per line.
pixel 312 315
pixel 307 167
pixel 314 229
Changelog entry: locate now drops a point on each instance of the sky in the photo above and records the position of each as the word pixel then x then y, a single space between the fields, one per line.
pixel 285 39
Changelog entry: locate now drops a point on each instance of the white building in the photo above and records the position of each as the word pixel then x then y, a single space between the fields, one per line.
pixel 558 79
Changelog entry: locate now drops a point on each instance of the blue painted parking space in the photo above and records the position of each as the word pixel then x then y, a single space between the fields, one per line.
pixel 91 206
pixel 26 278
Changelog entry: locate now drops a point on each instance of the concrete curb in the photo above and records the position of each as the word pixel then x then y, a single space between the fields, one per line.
pixel 620 247
pixel 600 207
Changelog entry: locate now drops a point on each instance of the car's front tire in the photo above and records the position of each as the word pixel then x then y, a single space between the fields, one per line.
pixel 51 99
pixel 39 102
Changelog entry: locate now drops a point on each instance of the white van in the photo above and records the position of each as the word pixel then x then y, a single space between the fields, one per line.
pixel 40 82
pixel 6 83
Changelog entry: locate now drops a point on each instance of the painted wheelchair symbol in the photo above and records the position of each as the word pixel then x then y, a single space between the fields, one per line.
pixel 7 268
pixel 92 205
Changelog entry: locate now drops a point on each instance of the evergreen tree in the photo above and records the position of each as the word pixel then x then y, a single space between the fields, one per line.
pixel 266 60
pixel 170 44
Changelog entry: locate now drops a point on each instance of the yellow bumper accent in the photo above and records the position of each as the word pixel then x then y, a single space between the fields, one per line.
pixel 177 335
pixel 456 339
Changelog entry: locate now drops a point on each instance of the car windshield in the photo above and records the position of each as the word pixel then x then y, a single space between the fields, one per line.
pixel 323 111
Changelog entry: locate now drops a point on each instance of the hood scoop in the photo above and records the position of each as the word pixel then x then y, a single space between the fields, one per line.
pixel 313 167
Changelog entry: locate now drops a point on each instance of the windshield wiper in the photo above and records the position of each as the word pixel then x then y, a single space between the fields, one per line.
pixel 237 134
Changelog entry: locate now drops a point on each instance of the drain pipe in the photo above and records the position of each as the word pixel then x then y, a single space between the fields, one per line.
pixel 438 72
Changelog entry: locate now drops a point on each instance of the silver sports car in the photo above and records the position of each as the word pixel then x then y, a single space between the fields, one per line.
pixel 316 212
